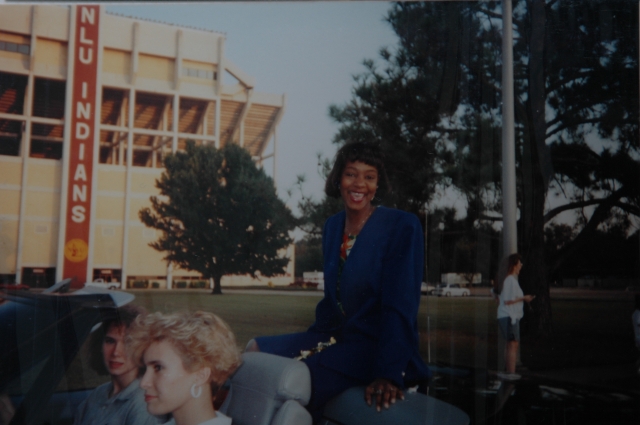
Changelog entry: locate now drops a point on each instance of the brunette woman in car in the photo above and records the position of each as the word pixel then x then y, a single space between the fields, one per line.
pixel 119 401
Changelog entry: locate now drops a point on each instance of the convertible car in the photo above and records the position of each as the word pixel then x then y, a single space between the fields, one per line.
pixel 41 336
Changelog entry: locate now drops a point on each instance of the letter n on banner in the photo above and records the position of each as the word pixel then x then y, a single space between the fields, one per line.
pixel 82 129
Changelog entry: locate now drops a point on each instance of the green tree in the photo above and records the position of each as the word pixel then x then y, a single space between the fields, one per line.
pixel 219 214
pixel 313 215
pixel 433 103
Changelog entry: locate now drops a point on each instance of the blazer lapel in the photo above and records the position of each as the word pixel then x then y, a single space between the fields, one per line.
pixel 334 234
pixel 363 243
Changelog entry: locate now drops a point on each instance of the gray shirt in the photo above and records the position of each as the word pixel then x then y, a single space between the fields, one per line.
pixel 127 407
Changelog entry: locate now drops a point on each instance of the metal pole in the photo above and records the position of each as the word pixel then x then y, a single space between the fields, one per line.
pixel 426 277
pixel 426 236
pixel 275 155
pixel 509 231
pixel 509 209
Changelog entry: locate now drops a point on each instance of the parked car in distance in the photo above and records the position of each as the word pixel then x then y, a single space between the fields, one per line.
pixel 100 283
pixel 451 290
pixel 13 287
pixel 427 289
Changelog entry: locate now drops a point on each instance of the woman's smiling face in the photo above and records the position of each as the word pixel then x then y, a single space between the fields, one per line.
pixel 166 383
pixel 358 185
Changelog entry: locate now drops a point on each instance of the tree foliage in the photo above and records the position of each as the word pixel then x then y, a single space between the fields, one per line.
pixel 434 102
pixel 219 214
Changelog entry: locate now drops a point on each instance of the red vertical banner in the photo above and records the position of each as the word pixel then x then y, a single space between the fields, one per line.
pixel 82 120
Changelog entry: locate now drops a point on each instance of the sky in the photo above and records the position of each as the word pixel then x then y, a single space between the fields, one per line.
pixel 307 50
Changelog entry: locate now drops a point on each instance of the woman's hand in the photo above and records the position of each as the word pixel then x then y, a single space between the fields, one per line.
pixel 526 298
pixel 384 392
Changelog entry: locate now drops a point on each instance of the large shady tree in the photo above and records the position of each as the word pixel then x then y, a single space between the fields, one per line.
pixel 219 214
pixel 433 103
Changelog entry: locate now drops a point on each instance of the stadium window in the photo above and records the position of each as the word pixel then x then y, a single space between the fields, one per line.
pixel 46 149
pixel 46 141
pixel 10 137
pixel 142 158
pixel 12 90
pixel 49 98
pixel 39 277
pixel 9 46
pixel 149 110
pixel 114 107
pixel 199 73
pixel 112 147
pixel 191 112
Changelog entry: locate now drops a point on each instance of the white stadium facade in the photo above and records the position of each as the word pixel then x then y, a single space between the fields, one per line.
pixel 90 104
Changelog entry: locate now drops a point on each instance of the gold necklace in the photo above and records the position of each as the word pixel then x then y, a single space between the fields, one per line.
pixel 360 225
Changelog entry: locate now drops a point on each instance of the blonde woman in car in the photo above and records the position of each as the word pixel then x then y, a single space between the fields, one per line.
pixel 188 357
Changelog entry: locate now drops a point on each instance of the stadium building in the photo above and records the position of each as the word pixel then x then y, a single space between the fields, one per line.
pixel 90 104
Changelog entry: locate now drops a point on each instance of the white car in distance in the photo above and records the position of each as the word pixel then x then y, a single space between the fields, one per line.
pixel 427 289
pixel 100 283
pixel 451 290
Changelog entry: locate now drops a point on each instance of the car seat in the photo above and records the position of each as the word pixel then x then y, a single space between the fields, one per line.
pixel 269 390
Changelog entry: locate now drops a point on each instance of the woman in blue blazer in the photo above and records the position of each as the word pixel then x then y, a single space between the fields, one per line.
pixel 373 261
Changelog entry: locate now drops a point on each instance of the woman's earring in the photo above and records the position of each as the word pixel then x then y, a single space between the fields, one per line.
pixel 194 393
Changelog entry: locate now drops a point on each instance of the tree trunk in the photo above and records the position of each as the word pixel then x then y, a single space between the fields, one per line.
pixel 536 170
pixel 217 289
pixel 587 234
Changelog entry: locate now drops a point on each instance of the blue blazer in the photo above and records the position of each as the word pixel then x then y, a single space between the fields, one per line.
pixel 380 294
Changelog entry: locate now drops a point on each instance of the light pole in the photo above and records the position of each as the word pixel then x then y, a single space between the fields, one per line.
pixel 509 231
pixel 426 276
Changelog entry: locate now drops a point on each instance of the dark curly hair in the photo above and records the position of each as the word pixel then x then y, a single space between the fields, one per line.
pixel 125 316
pixel 366 152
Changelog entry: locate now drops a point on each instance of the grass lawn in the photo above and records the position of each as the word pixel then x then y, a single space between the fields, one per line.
pixel 463 331
pixel 586 333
